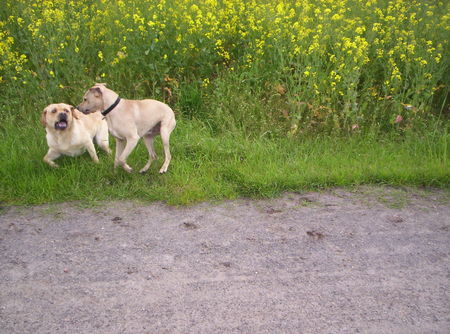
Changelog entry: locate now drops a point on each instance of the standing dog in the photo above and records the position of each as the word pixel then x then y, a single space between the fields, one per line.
pixel 130 120
pixel 70 132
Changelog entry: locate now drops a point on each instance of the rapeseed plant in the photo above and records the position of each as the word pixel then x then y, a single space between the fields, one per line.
pixel 343 58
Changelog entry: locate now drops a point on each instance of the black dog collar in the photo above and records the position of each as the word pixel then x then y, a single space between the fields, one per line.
pixel 107 111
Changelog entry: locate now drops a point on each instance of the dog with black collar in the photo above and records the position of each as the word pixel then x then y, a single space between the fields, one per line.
pixel 130 120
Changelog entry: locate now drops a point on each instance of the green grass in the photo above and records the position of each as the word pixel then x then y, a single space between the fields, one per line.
pixel 207 167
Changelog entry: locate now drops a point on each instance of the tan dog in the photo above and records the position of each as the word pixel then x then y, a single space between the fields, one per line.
pixel 130 120
pixel 70 132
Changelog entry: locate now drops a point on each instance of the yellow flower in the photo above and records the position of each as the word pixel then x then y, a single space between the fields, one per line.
pixel 360 30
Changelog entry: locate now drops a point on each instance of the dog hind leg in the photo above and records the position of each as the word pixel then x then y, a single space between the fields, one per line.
pixel 91 150
pixel 148 140
pixel 165 136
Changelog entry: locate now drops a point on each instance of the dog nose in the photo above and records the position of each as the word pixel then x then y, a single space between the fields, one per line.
pixel 63 117
pixel 84 111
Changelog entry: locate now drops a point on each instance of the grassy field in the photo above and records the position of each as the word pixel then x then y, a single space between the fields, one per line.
pixel 270 96
pixel 211 167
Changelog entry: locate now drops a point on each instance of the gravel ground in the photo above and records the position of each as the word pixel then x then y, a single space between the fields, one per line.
pixel 367 260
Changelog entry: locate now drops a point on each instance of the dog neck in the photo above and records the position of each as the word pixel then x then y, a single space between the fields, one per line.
pixel 111 107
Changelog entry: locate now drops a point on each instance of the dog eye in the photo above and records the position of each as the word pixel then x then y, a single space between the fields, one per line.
pixel 53 111
pixel 84 99
pixel 67 111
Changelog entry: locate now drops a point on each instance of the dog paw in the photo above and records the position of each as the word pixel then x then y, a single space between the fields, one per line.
pixel 107 150
pixel 128 169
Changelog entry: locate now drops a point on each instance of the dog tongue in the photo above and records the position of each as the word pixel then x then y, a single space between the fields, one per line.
pixel 61 125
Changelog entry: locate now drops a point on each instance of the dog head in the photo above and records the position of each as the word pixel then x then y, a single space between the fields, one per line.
pixel 92 99
pixel 58 116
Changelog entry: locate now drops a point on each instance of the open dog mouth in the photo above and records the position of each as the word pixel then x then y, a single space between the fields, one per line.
pixel 61 122
pixel 61 125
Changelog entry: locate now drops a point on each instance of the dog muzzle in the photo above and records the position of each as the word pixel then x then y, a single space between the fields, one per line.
pixel 61 124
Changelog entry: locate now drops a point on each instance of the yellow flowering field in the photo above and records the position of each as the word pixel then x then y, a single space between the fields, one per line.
pixel 268 67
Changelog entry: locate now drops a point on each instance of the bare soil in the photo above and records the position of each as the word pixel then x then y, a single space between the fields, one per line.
pixel 367 260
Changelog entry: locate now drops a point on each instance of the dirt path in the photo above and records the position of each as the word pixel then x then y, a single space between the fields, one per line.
pixel 373 260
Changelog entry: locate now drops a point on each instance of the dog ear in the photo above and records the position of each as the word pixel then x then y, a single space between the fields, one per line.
pixel 74 112
pixel 96 90
pixel 43 116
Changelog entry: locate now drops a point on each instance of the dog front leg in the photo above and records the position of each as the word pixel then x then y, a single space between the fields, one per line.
pixel 120 145
pixel 50 156
pixel 102 138
pixel 129 147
